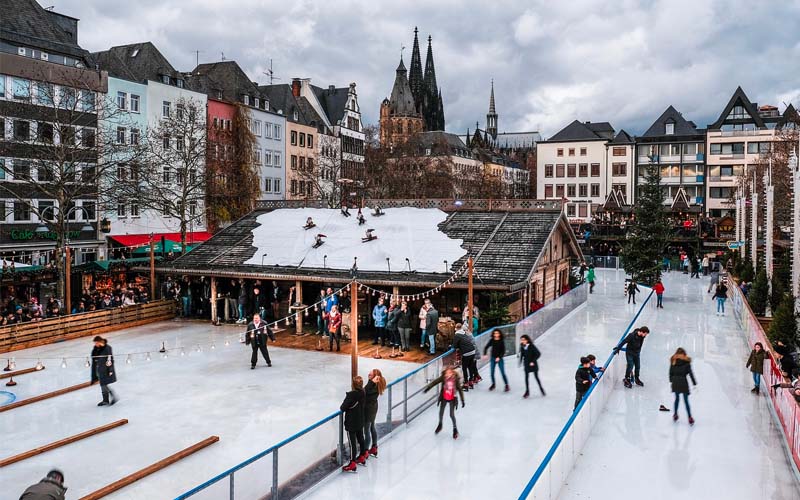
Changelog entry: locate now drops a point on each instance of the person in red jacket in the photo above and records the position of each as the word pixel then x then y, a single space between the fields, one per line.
pixel 659 289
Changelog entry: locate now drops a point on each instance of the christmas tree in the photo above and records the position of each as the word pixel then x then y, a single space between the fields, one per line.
pixel 784 323
pixel 648 236
pixel 759 294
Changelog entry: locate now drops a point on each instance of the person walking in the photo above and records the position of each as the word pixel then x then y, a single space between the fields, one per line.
pixel 665 264
pixel 633 352
pixel 334 328
pixel 374 388
pixel 756 364
pixel 680 367
pixel 103 370
pixel 256 337
pixel 391 324
pixel 404 326
pixel 584 377
pixel 50 488
pixel 449 394
pixel 498 347
pixel 379 315
pixel 705 265
pixel 721 294
pixel 590 278
pixel 464 342
pixel 659 289
pixel 632 289
pixel 431 325
pixel 528 357
pixel 353 408
pixel 713 280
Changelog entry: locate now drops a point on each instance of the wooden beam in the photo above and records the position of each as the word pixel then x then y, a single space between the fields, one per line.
pixel 42 397
pixel 61 442
pixel 214 300
pixel 470 307
pixel 353 329
pixel 298 317
pixel 161 464
pixel 19 372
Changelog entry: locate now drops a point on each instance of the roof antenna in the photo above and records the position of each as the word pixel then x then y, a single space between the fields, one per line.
pixel 270 74
pixel 223 55
pixel 197 57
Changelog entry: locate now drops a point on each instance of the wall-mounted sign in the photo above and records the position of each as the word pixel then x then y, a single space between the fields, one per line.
pixel 29 234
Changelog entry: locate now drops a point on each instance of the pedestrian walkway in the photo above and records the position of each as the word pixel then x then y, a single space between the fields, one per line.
pixel 735 449
pixel 503 437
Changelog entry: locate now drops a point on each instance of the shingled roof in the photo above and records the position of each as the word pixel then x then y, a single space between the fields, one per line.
pixel 683 127
pixel 333 101
pixel 283 101
pixel 137 62
pixel 579 131
pixel 505 247
pixel 26 23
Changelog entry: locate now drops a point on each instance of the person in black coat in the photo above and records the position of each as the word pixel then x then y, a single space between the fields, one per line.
pixel 680 367
pixel 50 488
pixel 498 347
pixel 256 337
pixel 353 408
pixel 583 380
pixel 373 389
pixel 103 370
pixel 634 342
pixel 464 342
pixel 528 357
pixel 632 289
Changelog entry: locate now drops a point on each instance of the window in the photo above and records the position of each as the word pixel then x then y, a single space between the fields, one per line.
pixel 294 162
pixel 180 143
pixel 45 209
pixel 67 135
pixel 570 210
pixel 310 164
pixel 165 209
pixel 179 109
pixel 310 141
pixel 302 163
pixel 293 138
pixel 165 79
pixel 180 83
pixel 120 135
pixel 277 133
pixel 732 148
pixel 246 99
pixel 122 100
pixel 548 190
pixel 571 170
pixel 669 128
pixel 22 130
pixel 690 149
pixel 277 185
pixel 257 128
pixel 548 170
pixel 720 192
pixel 619 169
pixel 166 106
pixel 89 172
pixel 135 136
pixel 134 209
pixel 560 152
pixel 91 210
pixel 2 171
pixel 267 157
pixel 583 170
pixel 571 151
pixel 44 173
pixel 267 130
pixel 302 140
pixel 167 174
pixel 571 190
pixel 69 98
pixel 22 169
pixel 179 177
pixel 45 93
pixel 268 185
pixel 595 190
pixel 294 186
pixel 310 188
pixel 122 208
pixel 583 153
pixel 583 211
pixel 257 156
pixel 134 103
pixel 21 89
pixel 276 159
pixel 583 190
pixel 758 147
pixel 618 151
pixel 44 132
pixel 165 141
pixel 22 211
pixel 228 124
pixel 559 190
pixel 560 170
pixel 2 126
pixel 595 170
pixel 2 85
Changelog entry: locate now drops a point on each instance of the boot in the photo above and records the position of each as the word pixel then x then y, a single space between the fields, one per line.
pixel 675 417
pixel 114 399
pixel 543 393
pixel 104 402
pixel 351 467
pixel 438 428
pixel 758 391
pixel 478 379
pixel 691 421
pixel 491 387
pixel 753 390
pixel 362 459
pixel 627 383
pixel 526 395
pixel 455 433
pixel 373 451
pixel 465 388
pixel 507 388
pixel 639 382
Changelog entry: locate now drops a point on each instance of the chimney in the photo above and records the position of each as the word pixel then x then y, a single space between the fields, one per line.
pixel 331 89
pixel 296 87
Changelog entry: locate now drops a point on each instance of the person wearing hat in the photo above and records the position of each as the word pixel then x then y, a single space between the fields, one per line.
pixel 50 488
pixel 583 380
pixel 103 370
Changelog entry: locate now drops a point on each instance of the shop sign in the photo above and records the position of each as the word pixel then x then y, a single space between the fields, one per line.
pixel 29 234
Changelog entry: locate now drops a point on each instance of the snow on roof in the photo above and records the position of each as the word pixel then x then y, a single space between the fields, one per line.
pixel 402 233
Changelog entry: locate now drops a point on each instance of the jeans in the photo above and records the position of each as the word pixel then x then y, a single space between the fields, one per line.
pixel 321 326
pixel 659 298
pixel 337 336
pixel 536 375
pixel 685 400
pixel 632 296
pixel 502 364
pixel 578 397
pixel 379 335
pixel 356 437
pixel 405 333
pixel 431 340
pixel 187 306
pixel 452 405
pixel 230 308
pixel 633 367
pixel 721 305
pixel 241 311
pixel 756 379
pixel 370 434
pixel 591 287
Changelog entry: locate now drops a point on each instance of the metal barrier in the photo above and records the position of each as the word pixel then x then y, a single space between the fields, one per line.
pixel 403 401
pixel 605 262
pixel 552 473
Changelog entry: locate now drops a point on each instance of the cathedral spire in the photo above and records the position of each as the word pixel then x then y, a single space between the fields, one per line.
pixel 491 116
pixel 491 97
pixel 430 70
pixel 415 79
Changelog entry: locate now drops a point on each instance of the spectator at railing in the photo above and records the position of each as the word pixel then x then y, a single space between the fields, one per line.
pixel 756 364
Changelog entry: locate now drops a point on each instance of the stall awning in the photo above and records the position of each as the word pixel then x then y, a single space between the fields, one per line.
pixel 105 265
pixel 138 240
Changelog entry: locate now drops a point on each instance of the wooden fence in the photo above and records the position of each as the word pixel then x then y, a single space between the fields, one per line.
pixel 36 333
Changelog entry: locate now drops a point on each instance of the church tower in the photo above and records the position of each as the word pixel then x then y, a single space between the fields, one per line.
pixel 491 116
pixel 415 73
pixel 399 118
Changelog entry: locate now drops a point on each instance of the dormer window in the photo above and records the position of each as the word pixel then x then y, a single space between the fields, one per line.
pixel 219 94
pixel 257 102
pixel 165 79
pixel 294 115
pixel 246 100
pixel 180 84
pixel 670 128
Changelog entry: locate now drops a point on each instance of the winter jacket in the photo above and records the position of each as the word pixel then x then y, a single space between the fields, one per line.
pixel 590 275
pixel 403 318
pixel 440 380
pixel 261 302
pixel 529 354
pixel 632 288
pixel 658 288
pixel 634 342
pixel 100 371
pixel 330 301
pixel 334 322
pixel 721 292
pixel 46 489
pixel 464 342
pixel 679 369
pixel 258 335
pixel 432 321
pixel 353 408
pixel 498 348
pixel 391 319
pixel 423 314
pixel 584 375
pixel 756 361
pixel 379 314
pixel 370 401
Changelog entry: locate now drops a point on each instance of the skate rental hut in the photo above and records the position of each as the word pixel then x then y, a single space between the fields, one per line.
pixel 410 249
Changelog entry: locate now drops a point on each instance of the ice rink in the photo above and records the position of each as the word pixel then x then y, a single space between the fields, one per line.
pixel 170 404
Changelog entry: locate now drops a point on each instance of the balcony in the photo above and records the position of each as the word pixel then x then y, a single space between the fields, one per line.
pixel 765 132
pixel 700 157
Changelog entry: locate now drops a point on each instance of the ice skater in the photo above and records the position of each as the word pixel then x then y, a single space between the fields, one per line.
pixel 50 488
pixel 103 370
pixel 659 289
pixel 632 289
pixel 584 377
pixel 373 389
pixel 680 367
pixel 756 364
pixel 633 352
pixel 590 278
pixel 498 347
pixel 529 356
pixel 353 408
pixel 713 281
pixel 721 294
pixel 256 337
pixel 448 396
pixel 593 363
pixel 464 343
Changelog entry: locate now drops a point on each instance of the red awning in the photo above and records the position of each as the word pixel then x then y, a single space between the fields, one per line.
pixel 138 240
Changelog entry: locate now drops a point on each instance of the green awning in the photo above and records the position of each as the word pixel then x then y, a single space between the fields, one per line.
pixel 169 246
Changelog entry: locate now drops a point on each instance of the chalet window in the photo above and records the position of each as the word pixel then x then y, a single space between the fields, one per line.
pixel 583 170
pixel 548 190
pixel 618 151
pixel 595 170
pixel 548 170
pixel 571 170
pixel 122 100
pixel 22 130
pixel 619 169
pixel 595 190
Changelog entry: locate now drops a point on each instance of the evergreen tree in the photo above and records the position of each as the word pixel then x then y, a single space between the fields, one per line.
pixel 781 279
pixel 747 273
pixel 497 313
pixel 648 236
pixel 759 294
pixel 784 323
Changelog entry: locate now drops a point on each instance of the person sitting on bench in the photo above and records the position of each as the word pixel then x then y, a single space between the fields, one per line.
pixel 360 217
pixel 318 241
pixel 345 210
pixel 378 212
pixel 309 223
pixel 369 236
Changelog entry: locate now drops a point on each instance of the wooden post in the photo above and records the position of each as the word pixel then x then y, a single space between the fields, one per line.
pixel 396 294
pixel 353 329
pixel 67 282
pixel 153 268
pixel 298 317
pixel 469 295
pixel 213 299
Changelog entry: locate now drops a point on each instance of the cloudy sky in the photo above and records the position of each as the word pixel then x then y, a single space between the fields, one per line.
pixel 552 62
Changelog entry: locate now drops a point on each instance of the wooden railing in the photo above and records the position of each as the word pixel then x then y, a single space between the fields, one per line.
pixel 36 333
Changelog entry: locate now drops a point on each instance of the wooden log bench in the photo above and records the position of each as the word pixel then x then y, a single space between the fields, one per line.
pixel 150 469
pixel 42 397
pixel 19 372
pixel 61 442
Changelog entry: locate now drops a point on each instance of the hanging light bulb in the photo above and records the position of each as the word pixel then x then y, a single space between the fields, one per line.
pixel 63 362
pixel 148 358
pixel 165 354
pixel 306 312
pixel 227 343
pixel 183 351
pixel 213 346
pixel 128 360
pixel 198 348
pixel 88 363
pixel 12 364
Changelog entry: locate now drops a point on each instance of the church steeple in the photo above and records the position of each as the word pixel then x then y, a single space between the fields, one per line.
pixel 415 79
pixel 491 116
pixel 430 70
